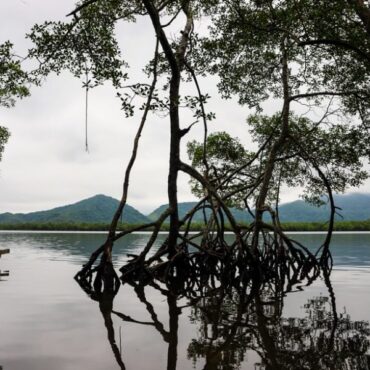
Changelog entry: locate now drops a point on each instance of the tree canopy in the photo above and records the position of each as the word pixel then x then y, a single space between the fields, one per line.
pixel 14 83
pixel 333 144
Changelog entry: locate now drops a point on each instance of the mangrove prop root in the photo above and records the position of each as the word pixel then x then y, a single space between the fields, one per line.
pixel 197 260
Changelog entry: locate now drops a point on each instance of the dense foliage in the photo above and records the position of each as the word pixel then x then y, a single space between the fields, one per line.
pixel 4 136
pixel 13 84
pixel 13 80
pixel 334 152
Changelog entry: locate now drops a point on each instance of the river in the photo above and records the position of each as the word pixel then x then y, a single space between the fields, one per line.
pixel 48 322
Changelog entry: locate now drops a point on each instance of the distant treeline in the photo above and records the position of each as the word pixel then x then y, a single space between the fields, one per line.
pixel 75 226
pixel 320 226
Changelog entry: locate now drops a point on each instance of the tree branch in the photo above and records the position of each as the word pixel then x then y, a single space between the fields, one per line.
pixel 82 6
pixel 339 43
pixel 324 93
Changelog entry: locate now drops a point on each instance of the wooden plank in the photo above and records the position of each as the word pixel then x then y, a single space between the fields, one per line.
pixel 4 251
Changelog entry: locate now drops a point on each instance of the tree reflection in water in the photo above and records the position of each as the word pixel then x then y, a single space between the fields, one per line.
pixel 232 322
pixel 228 328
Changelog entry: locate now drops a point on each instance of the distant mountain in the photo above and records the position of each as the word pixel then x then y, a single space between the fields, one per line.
pixel 97 209
pixel 355 207
pixel 100 209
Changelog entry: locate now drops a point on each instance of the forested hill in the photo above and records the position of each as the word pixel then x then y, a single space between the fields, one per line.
pixel 97 209
pixel 355 207
pixel 100 209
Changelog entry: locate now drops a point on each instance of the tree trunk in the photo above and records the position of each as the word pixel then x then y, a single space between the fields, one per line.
pixel 176 62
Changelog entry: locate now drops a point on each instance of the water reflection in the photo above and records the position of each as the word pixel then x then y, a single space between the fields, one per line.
pixel 170 336
pixel 71 247
pixel 106 309
pixel 348 249
pixel 228 328
pixel 56 327
pixel 236 325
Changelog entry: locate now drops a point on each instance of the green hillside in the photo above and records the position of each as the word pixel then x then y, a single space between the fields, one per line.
pixel 100 209
pixel 355 207
pixel 97 209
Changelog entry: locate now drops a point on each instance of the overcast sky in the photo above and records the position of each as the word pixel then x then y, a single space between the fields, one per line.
pixel 45 164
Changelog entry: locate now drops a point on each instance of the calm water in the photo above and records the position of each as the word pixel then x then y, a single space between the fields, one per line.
pixel 48 322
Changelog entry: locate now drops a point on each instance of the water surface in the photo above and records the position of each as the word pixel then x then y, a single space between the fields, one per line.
pixel 48 322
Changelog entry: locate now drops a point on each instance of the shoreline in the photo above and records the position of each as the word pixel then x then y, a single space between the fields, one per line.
pixel 102 227
pixel 99 232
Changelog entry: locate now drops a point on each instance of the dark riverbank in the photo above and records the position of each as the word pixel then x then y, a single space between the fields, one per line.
pixel 289 226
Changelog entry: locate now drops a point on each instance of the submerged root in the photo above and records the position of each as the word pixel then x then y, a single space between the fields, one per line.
pixel 276 256
pixel 98 280
pixel 213 260
pixel 244 314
